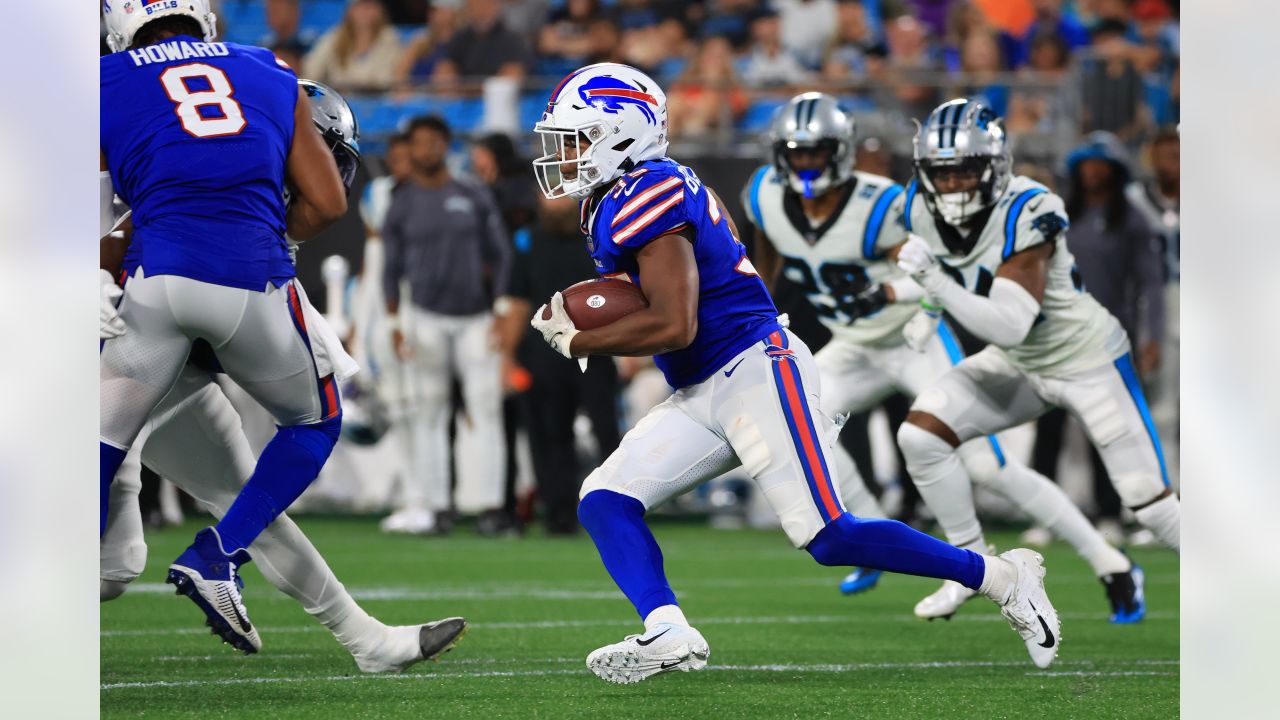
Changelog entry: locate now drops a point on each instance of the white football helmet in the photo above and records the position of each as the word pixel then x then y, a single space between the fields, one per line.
pixel 616 111
pixel 125 17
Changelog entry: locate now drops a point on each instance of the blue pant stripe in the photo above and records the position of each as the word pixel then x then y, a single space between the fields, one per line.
pixel 1125 366
pixel 956 354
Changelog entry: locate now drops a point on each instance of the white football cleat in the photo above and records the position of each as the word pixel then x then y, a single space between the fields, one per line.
pixel 665 648
pixel 410 521
pixel 944 602
pixel 401 647
pixel 1028 609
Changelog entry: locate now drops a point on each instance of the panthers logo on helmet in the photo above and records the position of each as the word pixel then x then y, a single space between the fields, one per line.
pixel 611 95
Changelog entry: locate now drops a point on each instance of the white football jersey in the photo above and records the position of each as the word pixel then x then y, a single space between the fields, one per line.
pixel 1073 333
pixel 840 258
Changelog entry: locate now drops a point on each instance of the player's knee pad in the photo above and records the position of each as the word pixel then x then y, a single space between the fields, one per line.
pixel 793 503
pixel 316 439
pixel 1138 487
pixel 981 463
pixel 922 449
pixel 600 507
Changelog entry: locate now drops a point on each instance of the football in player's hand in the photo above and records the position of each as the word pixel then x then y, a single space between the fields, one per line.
pixel 596 303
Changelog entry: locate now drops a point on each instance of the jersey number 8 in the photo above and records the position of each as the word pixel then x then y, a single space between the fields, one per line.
pixel 189 102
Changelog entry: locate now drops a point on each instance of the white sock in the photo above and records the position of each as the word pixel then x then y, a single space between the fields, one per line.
pixel 1050 507
pixel 943 484
pixel 291 563
pixel 1163 518
pixel 853 489
pixel 998 579
pixel 668 615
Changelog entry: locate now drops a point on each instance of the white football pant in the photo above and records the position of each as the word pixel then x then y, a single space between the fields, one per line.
pixel 987 393
pixel 760 411
pixel 856 378
pixel 445 347
pixel 261 340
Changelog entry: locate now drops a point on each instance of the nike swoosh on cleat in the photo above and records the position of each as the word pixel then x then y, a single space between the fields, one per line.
pixel 1048 634
pixel 655 637
pixel 729 372
pixel 665 666
pixel 1048 642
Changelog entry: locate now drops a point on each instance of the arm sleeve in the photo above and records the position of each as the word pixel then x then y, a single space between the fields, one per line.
pixel 1149 263
pixel 393 248
pixel 1003 319
pixel 497 246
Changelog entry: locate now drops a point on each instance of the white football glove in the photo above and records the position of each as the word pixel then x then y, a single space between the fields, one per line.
pixel 110 324
pixel 915 257
pixel 558 331
pixel 922 326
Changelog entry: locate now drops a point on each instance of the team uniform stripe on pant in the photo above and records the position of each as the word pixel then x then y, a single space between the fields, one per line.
pixel 956 354
pixel 295 311
pixel 805 436
pixel 1125 366
pixel 330 404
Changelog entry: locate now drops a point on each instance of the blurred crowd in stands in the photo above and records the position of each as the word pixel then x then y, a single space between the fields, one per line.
pixel 727 63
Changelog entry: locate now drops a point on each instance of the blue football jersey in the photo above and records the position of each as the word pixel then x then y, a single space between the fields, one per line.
pixel 661 197
pixel 196 136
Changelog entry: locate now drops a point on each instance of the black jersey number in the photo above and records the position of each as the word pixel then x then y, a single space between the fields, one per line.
pixel 840 282
pixel 981 287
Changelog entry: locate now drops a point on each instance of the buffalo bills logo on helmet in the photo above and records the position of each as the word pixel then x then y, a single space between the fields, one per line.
pixel 611 94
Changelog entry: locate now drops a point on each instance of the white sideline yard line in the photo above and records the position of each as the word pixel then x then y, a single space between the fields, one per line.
pixel 852 619
pixel 778 668
pixel 1102 674
pixel 592 591
pixel 408 593
pixel 208 658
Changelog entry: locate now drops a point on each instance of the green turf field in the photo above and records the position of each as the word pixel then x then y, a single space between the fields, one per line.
pixel 784 642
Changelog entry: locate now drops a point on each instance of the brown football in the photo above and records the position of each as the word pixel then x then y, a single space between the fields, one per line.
pixel 596 303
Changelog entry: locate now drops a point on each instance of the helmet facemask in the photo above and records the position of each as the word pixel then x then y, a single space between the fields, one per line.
pixel 810 182
pixel 989 176
pixel 568 165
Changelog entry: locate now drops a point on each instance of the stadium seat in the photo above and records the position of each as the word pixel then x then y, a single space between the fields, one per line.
pixel 759 113
pixel 321 15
